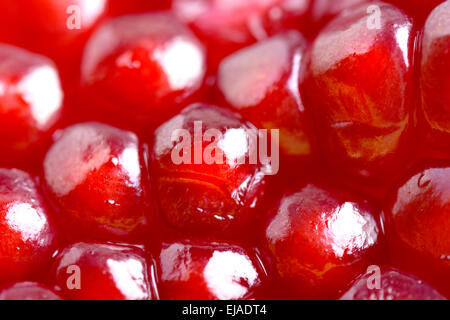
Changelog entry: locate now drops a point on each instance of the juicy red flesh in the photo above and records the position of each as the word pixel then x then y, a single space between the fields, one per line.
pixel 435 82
pixel 200 188
pixel 97 271
pixel 28 291
pixel 417 225
pixel 209 271
pixel 359 83
pixel 260 82
pixel 143 68
pixel 320 240
pixel 227 26
pixel 30 105
pixel 27 233
pixel 393 285
pixel 96 177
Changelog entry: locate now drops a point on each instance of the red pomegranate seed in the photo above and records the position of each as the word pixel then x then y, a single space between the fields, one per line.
pixel 214 271
pixel 97 271
pixel 97 179
pixel 27 233
pixel 320 239
pixel 140 70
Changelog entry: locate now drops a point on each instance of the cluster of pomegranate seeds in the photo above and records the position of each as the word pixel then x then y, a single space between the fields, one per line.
pixel 58 29
pixel 224 149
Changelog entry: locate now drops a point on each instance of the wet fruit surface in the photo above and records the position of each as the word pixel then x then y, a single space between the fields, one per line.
pixel 27 234
pixel 56 28
pixel 206 187
pixel 86 271
pixel 214 271
pixel 417 225
pixel 224 149
pixel 226 26
pixel 143 68
pixel 320 240
pixel 96 177
pixel 30 104
pixel 435 82
pixel 393 285
pixel 261 82
pixel 361 92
